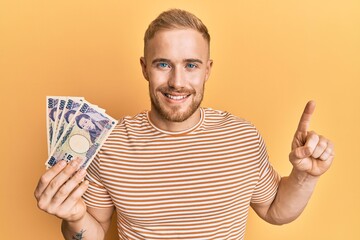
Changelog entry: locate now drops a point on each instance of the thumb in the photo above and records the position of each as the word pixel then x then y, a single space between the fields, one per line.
pixel 300 153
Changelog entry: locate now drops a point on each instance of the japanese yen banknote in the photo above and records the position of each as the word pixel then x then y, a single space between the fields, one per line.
pixel 75 129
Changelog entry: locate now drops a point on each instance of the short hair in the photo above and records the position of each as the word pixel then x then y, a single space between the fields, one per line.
pixel 79 117
pixel 52 114
pixel 67 115
pixel 175 19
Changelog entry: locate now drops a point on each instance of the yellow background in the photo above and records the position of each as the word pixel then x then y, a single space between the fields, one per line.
pixel 270 57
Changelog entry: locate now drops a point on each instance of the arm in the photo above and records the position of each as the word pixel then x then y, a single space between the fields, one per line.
pixel 59 193
pixel 293 194
pixel 95 224
pixel 311 156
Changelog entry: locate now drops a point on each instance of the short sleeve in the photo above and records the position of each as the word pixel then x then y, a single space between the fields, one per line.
pixel 269 179
pixel 96 195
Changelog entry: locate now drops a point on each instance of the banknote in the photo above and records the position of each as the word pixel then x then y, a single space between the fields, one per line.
pixel 51 104
pixel 71 107
pixel 83 136
pixel 52 118
pixel 62 102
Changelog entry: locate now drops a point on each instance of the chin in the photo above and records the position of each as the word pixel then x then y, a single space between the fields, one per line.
pixel 175 113
pixel 178 115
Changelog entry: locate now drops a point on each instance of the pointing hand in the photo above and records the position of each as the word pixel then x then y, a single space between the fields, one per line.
pixel 310 152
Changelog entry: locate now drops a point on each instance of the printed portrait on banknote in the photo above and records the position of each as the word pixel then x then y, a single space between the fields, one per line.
pixel 87 129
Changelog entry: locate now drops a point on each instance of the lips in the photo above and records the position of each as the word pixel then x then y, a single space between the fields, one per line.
pixel 176 97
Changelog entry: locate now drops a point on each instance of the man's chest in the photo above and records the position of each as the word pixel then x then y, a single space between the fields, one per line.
pixel 189 181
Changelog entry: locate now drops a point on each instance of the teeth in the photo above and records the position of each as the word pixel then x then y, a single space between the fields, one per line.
pixel 175 97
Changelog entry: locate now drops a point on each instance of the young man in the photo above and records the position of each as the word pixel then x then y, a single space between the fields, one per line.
pixel 181 171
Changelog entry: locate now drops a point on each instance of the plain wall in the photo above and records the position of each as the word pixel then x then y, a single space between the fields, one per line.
pixel 270 58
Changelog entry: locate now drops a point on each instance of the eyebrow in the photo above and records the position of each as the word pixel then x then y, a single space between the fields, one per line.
pixel 156 60
pixel 193 60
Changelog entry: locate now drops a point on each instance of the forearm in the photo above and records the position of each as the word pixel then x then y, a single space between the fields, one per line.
pixel 292 197
pixel 86 228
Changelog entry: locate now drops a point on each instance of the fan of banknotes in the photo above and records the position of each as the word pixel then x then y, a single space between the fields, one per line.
pixel 75 129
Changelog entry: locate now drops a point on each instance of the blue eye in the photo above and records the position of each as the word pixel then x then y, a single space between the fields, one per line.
pixel 191 65
pixel 163 65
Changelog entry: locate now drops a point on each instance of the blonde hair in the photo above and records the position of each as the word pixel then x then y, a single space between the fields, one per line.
pixel 175 19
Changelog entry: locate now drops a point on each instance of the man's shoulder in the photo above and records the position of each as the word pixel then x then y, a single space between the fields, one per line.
pixel 221 115
pixel 224 119
pixel 139 117
pixel 140 120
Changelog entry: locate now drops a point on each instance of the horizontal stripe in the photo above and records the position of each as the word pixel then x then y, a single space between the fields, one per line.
pixel 194 184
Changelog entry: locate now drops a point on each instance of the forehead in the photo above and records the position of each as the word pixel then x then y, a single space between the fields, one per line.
pixel 177 43
pixel 83 119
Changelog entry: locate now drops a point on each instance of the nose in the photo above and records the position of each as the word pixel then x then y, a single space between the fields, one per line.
pixel 176 79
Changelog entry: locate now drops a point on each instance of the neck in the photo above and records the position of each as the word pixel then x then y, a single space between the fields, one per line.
pixel 171 126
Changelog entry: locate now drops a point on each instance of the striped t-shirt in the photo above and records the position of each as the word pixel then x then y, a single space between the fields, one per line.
pixel 194 184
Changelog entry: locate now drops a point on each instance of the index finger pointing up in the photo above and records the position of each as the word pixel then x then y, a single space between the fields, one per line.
pixel 306 116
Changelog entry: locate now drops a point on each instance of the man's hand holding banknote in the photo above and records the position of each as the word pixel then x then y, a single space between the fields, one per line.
pixel 76 130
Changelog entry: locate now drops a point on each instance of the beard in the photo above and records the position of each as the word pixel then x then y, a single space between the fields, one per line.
pixel 174 113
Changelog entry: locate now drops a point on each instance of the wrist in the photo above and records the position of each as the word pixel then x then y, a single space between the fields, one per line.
pixel 302 178
pixel 71 227
pixel 75 219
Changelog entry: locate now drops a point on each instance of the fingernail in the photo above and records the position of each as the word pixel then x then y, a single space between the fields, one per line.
pixel 62 163
pixel 82 172
pixel 74 163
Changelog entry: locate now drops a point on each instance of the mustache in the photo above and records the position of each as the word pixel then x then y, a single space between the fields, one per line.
pixel 167 89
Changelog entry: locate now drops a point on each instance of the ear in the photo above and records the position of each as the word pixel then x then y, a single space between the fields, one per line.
pixel 208 69
pixel 143 67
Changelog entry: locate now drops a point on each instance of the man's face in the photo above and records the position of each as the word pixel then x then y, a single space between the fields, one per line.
pixel 86 124
pixel 176 65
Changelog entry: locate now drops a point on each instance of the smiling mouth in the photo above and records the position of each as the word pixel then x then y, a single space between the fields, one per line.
pixel 176 97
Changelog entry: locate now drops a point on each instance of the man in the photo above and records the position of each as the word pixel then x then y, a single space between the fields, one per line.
pixel 181 171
